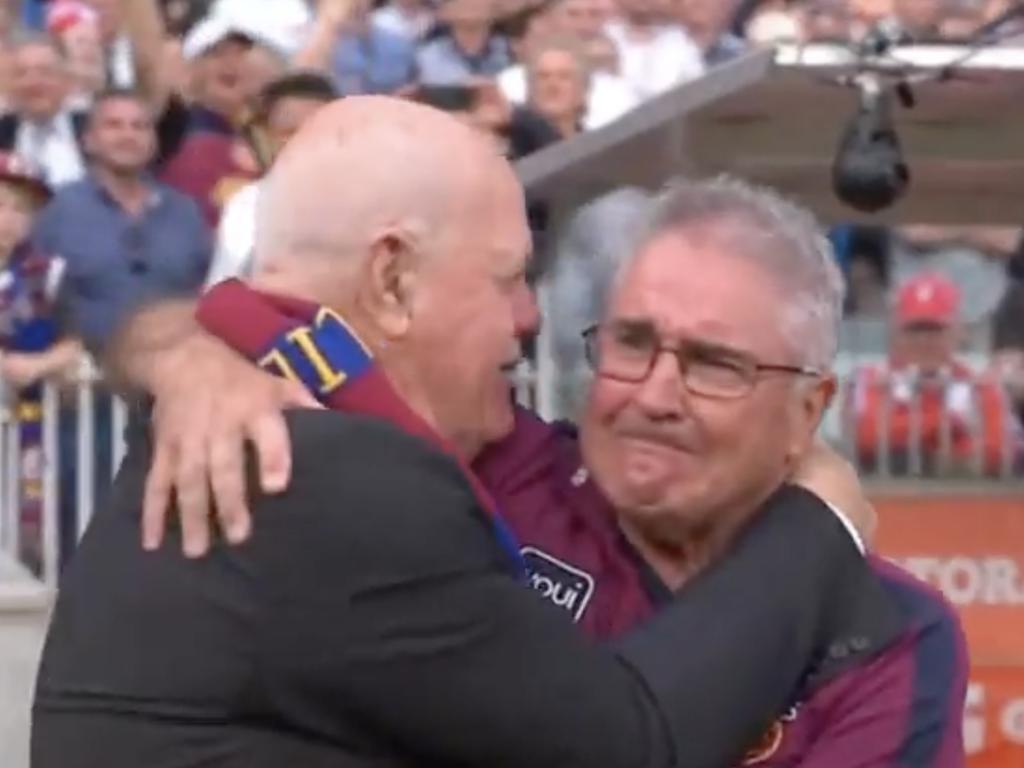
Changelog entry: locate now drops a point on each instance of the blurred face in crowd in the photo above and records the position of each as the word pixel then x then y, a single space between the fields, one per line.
pixel 583 18
pixel 827 21
pixel 642 12
pixel 109 14
pixel 121 138
pixel 262 65
pixel 85 57
pixel 928 346
pixel 286 117
pixel 919 14
pixel 872 11
pixel 558 87
pixel 468 16
pixel 38 81
pixel 675 458
pixel 16 209
pixel 222 78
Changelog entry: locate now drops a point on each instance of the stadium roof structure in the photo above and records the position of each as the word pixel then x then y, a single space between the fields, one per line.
pixel 775 117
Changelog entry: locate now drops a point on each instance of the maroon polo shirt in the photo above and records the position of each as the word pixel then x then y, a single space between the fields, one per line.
pixel 901 707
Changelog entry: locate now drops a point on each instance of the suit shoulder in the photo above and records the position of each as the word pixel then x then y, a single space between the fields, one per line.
pixel 319 436
pixel 932 621
pixel 367 497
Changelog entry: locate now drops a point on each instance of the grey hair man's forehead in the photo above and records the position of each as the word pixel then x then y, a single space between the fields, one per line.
pixel 782 237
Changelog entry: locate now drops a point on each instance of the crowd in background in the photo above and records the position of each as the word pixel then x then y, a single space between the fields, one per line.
pixel 150 122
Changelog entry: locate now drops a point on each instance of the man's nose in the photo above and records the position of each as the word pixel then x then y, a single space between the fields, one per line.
pixel 663 395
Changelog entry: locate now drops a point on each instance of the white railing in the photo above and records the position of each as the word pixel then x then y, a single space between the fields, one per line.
pixel 30 475
pixel 78 403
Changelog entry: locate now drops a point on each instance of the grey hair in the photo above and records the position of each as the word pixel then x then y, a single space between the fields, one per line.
pixel 779 235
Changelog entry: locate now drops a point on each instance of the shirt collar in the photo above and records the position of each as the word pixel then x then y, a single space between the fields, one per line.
pixel 156 195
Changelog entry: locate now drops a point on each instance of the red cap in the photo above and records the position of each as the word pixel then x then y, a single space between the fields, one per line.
pixel 928 298
pixel 14 170
pixel 65 14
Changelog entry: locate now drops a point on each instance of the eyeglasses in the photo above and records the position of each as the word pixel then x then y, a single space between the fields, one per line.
pixel 628 350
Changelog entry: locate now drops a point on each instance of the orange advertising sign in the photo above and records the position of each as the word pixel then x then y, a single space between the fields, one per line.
pixel 971 546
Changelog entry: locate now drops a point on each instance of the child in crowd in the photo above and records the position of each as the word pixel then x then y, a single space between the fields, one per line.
pixel 30 347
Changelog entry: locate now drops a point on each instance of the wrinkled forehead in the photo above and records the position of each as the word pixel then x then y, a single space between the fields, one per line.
pixel 699 288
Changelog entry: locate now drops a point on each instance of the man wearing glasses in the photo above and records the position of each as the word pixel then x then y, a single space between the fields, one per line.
pixel 712 372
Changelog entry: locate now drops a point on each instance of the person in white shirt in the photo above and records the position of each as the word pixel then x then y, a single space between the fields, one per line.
pixel 608 96
pixel 40 129
pixel 286 103
pixel 653 57
pixel 559 80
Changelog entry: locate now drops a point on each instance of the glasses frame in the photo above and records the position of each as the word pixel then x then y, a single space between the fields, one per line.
pixel 752 375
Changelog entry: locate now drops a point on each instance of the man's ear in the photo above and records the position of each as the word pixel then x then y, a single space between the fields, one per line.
pixel 391 283
pixel 811 401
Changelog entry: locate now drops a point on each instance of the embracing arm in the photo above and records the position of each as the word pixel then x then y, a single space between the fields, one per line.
pixel 425 636
pixel 162 351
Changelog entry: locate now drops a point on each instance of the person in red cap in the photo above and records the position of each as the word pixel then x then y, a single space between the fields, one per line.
pixel 925 411
pixel 30 347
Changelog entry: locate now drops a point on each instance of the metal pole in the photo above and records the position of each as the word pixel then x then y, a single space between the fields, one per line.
pixel 884 467
pixel 118 427
pixel 12 476
pixel 51 485
pixel 86 454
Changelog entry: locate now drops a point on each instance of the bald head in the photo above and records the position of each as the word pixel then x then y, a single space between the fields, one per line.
pixel 362 165
pixel 409 224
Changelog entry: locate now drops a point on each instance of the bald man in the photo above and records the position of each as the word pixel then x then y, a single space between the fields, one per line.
pixel 378 614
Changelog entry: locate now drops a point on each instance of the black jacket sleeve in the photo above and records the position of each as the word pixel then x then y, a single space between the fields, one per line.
pixel 387 602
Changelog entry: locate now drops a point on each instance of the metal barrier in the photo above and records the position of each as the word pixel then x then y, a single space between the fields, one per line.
pixel 39 546
pixel 30 466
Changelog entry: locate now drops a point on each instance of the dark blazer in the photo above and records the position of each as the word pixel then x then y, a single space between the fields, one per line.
pixel 374 619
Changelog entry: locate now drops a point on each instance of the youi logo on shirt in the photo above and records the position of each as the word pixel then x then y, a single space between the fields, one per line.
pixel 564 585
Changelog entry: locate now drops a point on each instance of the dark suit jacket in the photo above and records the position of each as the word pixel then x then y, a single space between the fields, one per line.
pixel 373 619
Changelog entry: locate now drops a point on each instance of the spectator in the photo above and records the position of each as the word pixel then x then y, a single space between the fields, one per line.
pixel 960 20
pixel 126 239
pixel 75 27
pixel 46 129
pixel 41 129
pixel 608 95
pixel 931 410
pixel 285 105
pixel 232 62
pixel 468 48
pixel 411 19
pixel 558 78
pixel 653 57
pixel 361 56
pixel 865 253
pixel 922 18
pixel 830 21
pixel 217 50
pixel 709 25
pixel 29 346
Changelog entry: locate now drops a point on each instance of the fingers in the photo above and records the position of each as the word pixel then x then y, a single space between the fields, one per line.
pixel 157 498
pixel 295 395
pixel 226 461
pixel 269 435
pixel 193 495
